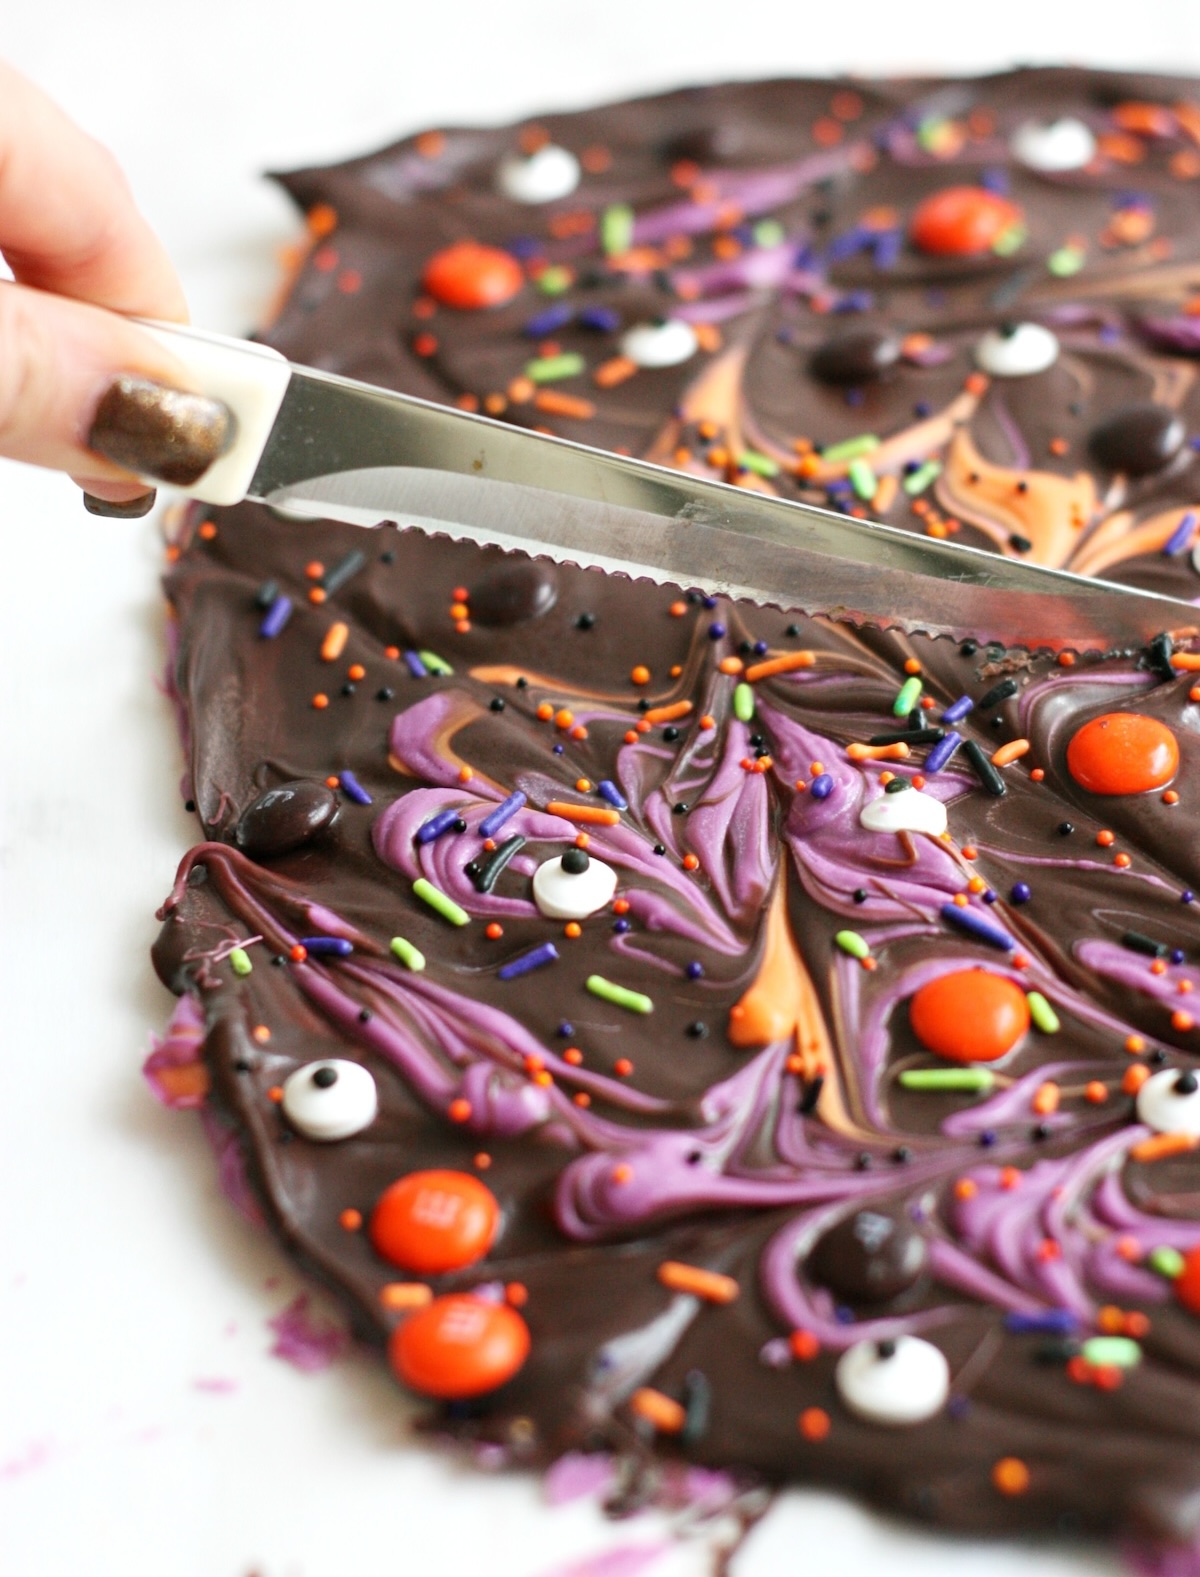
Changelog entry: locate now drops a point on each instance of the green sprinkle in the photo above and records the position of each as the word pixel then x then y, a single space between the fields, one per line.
pixel 1042 1014
pixel 1066 261
pixel 850 942
pixel 760 464
pixel 862 479
pixel 408 955
pixel 931 135
pixel 850 448
pixel 743 703
pixel 555 281
pixel 1166 1261
pixel 975 1081
pixel 1120 1351
pixel 435 664
pixel 621 996
pixel 436 899
pixel 549 369
pixel 616 229
pixel 917 481
pixel 239 961
pixel 907 698
pixel 1010 240
pixel 768 232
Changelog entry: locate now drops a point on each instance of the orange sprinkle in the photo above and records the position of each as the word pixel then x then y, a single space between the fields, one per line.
pixel 483 1160
pixel 1095 1092
pixel 1066 659
pixel 1123 860
pixel 1137 1324
pixel 317 595
pixel 662 1412
pixel 350 1220
pixel 494 931
pixel 582 840
pixel 555 403
pixel 465 774
pixel 321 219
pixel 975 383
pixel 391 653
pixel 583 784
pixel 1058 446
pixel 573 1055
pixel 1135 1045
pixel 1194 693
pixel 332 782
pixel 911 665
pixel 970 852
pixel 1182 1020
pixel 593 815
pixel 885 494
pixel 298 952
pixel 1046 1098
pixel 813 1423
pixel 1111 1319
pixel 622 1067
pixel 1010 1178
pixel 804 1345
pixel 1135 1077
pixel 707 1284
pixel 897 752
pixel 1189 662
pixel 320 701
pixel 275 1093
pixel 516 1294
pixel 521 391
pixel 640 674
pixel 620 905
pixel 1105 838
pixel 261 1034
pixel 961 900
pixel 691 862
pixel 572 929
pixel 965 1188
pixel 459 1110
pixel 616 370
pixel 977 885
pixel 1158 967
pixel 1010 1476
pixel 356 671
pixel 667 714
pixel 731 665
pixel 334 643
pixel 459 610
pixel 582 1098
pixel 1161 1146
pixel 564 717
pixel 1037 774
pixel 780 665
pixel 708 721
pixel 630 736
pixel 399 1295
pixel 677 610
pixel 1013 751
pixel 544 712
pixel 208 530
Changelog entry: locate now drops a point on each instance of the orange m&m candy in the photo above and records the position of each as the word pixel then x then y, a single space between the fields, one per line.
pixel 1123 753
pixel 459 1346
pixel 435 1221
pixel 962 221
pixel 469 276
pixel 1187 1283
pixel 969 1015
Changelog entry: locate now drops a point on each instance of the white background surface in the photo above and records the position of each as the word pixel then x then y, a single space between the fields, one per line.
pixel 124 1278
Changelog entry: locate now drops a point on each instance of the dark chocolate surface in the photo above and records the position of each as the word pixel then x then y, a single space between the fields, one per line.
pixel 754 1123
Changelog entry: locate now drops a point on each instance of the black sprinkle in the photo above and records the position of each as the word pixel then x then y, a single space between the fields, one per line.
pixel 343 570
pixel 697 1029
pixel 1158 1056
pixel 998 692
pixel 242 1066
pixel 1159 654
pixel 364 1015
pixel 670 734
pixel 680 807
pixel 189 804
pixel 1056 1352
pixel 387 556
pixel 886 1348
pixel 991 780
pixel 1041 1131
pixel 863 1161
pixel 1066 828
pixel 914 736
pixel 1139 942
pixel 697 1403
pixel 746 648
pixel 811 1094
pixel 660 848
pixel 643 704
pixel 969 648
pixel 860 895
pixel 522 682
pixel 349 687
pixel 483 874
pixel 497 703
pixel 384 693
pixel 278 959
pixel 1018 543
pixel 792 629
pixel 266 594
pixel 585 621
pixel 459 825
pixel 901 1154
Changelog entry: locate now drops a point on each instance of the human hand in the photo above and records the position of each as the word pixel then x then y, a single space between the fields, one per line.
pixel 80 390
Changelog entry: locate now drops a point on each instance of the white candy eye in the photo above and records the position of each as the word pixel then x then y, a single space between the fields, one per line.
pixel 330 1100
pixel 660 344
pixel 907 811
pixel 542 177
pixel 1054 146
pixel 573 886
pixel 1017 351
pixel 1169 1102
pixel 896 1382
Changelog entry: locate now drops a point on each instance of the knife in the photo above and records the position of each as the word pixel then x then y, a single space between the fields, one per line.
pixel 314 445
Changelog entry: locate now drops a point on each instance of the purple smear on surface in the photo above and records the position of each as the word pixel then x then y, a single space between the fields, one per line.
pixel 1162 1560
pixel 179 1046
pixel 304 1340
pixel 627 1560
pixel 577 1474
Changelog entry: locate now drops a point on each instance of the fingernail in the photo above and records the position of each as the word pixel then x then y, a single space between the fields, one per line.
pixel 132 509
pixel 160 432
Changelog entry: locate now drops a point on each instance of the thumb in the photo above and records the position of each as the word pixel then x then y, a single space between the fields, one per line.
pixel 84 391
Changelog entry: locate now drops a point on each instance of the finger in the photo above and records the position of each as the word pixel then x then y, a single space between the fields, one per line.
pixel 86 392
pixel 68 222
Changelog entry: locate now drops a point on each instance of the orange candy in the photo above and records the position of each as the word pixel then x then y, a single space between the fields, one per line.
pixel 459 1346
pixel 969 1015
pixel 469 276
pixel 1122 753
pixel 962 221
pixel 1187 1283
pixel 435 1221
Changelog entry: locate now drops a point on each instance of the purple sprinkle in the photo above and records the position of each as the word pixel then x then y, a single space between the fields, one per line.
pixel 608 790
pixel 354 788
pixel 337 946
pixel 695 970
pixel 275 617
pixel 565 1030
pixel 1021 893
pixel 1053 1322
pixel 761 648
pixel 854 301
pixel 716 631
pixel 437 824
pixel 848 244
pixel 549 321
pixel 995 180
pixel 709 602
pixel 821 787
pixel 987 1137
pixel 620 927
pixel 1187 896
pixel 1181 536
pixel 415 666
pixel 1177 955
pixel 989 895
pixel 854 397
pixel 966 919
pixel 547 953
pixel 957 710
pixel 495 819
pixel 887 249
pixel 922 408
pixel 941 753
pixel 1194 443
pixel 560 750
pixel 524 246
pixel 602 319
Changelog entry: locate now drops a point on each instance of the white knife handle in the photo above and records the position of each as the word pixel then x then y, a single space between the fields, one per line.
pixel 251 380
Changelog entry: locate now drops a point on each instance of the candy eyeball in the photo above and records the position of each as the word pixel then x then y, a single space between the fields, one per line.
pixel 1016 351
pixel 911 811
pixel 329 1100
pixel 665 344
pixel 1169 1102
pixel 541 177
pixel 894 1383
pixel 573 886
pixel 1051 147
